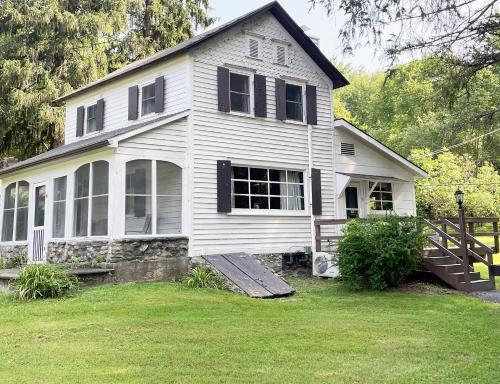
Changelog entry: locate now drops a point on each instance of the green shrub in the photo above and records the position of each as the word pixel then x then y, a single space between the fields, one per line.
pixel 203 276
pixel 17 261
pixel 379 252
pixel 43 281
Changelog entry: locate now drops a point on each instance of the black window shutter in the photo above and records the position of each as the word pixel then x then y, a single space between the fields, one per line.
pixel 260 95
pixel 159 94
pixel 223 89
pixel 80 120
pixel 280 99
pixel 133 99
pixel 99 118
pixel 140 188
pixel 312 114
pixel 316 191
pixel 223 186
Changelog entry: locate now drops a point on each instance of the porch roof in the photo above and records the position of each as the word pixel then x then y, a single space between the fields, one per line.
pixel 360 176
pixel 95 142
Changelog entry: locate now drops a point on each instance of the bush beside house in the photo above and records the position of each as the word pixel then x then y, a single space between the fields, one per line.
pixel 379 252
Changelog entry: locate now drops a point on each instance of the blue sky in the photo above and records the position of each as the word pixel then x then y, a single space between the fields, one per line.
pixel 322 26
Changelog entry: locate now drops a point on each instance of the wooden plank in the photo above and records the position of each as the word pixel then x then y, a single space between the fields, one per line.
pixel 260 274
pixel 238 277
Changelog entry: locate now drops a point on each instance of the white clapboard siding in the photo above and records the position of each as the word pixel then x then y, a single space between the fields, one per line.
pixel 247 140
pixel 115 97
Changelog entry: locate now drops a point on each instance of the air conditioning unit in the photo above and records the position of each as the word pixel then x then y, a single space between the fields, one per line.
pixel 324 265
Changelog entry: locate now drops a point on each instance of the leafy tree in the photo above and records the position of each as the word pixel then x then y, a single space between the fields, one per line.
pixel 48 48
pixel 447 171
pixel 464 33
pixel 411 109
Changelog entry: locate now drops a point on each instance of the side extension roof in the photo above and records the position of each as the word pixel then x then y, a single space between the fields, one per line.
pixel 276 10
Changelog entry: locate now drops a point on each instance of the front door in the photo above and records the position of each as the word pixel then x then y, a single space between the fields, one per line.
pixel 351 202
pixel 37 246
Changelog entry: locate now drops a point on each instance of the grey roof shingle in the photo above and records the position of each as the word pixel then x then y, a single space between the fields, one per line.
pixel 274 7
pixel 81 146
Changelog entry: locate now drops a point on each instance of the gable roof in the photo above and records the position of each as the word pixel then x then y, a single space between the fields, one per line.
pixel 95 142
pixel 351 128
pixel 276 10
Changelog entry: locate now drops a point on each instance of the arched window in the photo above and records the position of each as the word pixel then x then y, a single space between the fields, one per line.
pixel 15 212
pixel 153 197
pixel 91 199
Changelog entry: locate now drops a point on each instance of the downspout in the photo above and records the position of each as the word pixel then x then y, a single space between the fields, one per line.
pixel 310 154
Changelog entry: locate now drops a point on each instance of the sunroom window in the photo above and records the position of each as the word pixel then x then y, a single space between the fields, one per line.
pixel 59 207
pixel 91 199
pixel 262 188
pixel 239 90
pixel 150 210
pixel 15 212
pixel 381 197
pixel 294 104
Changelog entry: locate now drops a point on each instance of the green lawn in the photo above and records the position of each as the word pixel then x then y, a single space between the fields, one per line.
pixel 166 333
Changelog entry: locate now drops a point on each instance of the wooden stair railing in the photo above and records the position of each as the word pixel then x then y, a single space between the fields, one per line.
pixel 454 266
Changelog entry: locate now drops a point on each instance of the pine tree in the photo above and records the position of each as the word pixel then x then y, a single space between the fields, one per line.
pixel 50 47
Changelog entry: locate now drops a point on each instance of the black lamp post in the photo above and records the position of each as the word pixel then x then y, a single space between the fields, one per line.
pixel 459 198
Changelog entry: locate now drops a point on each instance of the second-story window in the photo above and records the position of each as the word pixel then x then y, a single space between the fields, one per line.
pixel 239 91
pixel 294 104
pixel 91 118
pixel 148 99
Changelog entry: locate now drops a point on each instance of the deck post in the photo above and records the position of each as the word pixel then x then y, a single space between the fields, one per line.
pixel 495 236
pixel 463 236
pixel 444 240
pixel 318 237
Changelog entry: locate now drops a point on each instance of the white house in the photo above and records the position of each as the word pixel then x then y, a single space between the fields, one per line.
pixel 226 142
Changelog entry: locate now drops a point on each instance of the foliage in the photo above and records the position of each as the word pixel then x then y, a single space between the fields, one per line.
pixel 410 109
pixel 48 48
pixel 16 261
pixel 379 252
pixel 44 281
pixel 468 30
pixel 447 171
pixel 203 276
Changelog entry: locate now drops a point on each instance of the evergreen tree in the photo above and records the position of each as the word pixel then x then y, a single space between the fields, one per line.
pixel 50 47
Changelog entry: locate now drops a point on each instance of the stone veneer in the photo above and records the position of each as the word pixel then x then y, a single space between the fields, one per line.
pixel 133 259
pixel 8 251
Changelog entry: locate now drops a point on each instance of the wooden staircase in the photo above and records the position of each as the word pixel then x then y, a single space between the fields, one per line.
pixel 455 264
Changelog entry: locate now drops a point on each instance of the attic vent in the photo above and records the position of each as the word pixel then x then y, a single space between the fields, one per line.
pixel 253 48
pixel 281 54
pixel 347 149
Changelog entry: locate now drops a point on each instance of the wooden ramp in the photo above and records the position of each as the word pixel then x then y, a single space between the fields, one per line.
pixel 249 275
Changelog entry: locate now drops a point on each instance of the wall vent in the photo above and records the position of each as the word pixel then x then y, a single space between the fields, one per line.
pixel 281 55
pixel 253 48
pixel 347 149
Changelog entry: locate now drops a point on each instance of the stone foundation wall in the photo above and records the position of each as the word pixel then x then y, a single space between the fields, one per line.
pixel 8 252
pixel 134 259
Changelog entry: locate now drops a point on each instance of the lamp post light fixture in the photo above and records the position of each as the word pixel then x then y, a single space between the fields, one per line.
pixel 459 197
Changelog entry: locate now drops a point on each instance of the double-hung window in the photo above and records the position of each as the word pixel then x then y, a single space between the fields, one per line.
pixel 294 103
pixel 239 92
pixel 91 118
pixel 381 197
pixel 148 99
pixel 262 188
pixel 15 212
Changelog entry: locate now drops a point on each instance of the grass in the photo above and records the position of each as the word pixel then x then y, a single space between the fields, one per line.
pixel 167 333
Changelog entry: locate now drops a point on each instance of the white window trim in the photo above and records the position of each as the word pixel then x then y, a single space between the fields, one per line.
pixel 14 241
pixel 53 201
pixel 304 102
pixel 269 211
pixel 381 211
pixel 259 41
pixel 250 75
